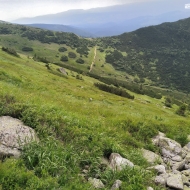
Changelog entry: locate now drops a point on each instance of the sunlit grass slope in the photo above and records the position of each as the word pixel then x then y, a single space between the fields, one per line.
pixel 77 125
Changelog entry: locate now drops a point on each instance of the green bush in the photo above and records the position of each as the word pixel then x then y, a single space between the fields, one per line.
pixel 80 61
pixel 62 49
pixel 114 90
pixel 83 50
pixel 168 102
pixel 64 58
pixel 10 51
pixel 181 110
pixel 27 49
pixel 72 55
pixel 41 59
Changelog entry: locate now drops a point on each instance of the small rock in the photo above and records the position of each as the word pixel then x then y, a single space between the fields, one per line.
pixel 187 158
pixel 167 153
pixel 96 183
pixel 116 185
pixel 164 175
pixel 175 181
pixel 184 152
pixel 118 163
pixel 187 167
pixel 62 70
pixel 150 188
pixel 186 172
pixel 159 168
pixel 85 171
pixel 155 140
pixel 86 167
pixel 185 180
pixel 178 165
pixel 151 157
pixel 159 180
pixel 177 158
pixel 104 161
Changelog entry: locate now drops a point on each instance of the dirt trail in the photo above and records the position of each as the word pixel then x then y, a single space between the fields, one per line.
pixel 91 66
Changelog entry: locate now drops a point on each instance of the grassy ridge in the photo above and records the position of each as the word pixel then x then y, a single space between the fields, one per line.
pixel 75 131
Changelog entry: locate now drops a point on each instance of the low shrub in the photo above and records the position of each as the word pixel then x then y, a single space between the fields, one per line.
pixel 72 55
pixel 62 49
pixel 81 61
pixel 64 58
pixel 10 51
pixel 114 90
pixel 27 49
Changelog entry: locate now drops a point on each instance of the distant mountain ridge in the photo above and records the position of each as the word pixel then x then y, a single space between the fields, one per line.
pixel 115 20
pixel 63 28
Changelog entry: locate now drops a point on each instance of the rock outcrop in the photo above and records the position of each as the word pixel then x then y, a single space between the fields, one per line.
pixel 174 172
pixel 13 136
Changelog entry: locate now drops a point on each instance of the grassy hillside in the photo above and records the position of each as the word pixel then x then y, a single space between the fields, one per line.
pixel 77 125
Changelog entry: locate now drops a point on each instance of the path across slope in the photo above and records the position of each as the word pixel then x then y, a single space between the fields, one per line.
pixel 91 66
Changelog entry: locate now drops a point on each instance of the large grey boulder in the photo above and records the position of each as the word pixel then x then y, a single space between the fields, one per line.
pixel 175 181
pixel 96 183
pixel 117 162
pixel 169 147
pixel 13 136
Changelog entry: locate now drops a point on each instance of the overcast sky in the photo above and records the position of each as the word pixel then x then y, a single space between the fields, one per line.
pixel 13 9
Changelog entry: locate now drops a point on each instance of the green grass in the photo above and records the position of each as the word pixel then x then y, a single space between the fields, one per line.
pixel 75 131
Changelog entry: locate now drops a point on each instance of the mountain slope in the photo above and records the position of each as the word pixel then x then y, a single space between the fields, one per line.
pixel 159 53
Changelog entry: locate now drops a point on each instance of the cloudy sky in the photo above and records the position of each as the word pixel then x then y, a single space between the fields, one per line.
pixel 13 9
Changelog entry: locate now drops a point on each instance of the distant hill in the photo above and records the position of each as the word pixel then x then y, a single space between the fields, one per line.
pixel 157 53
pixel 62 28
pixel 115 20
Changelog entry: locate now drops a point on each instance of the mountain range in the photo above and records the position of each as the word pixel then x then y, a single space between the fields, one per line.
pixel 113 20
